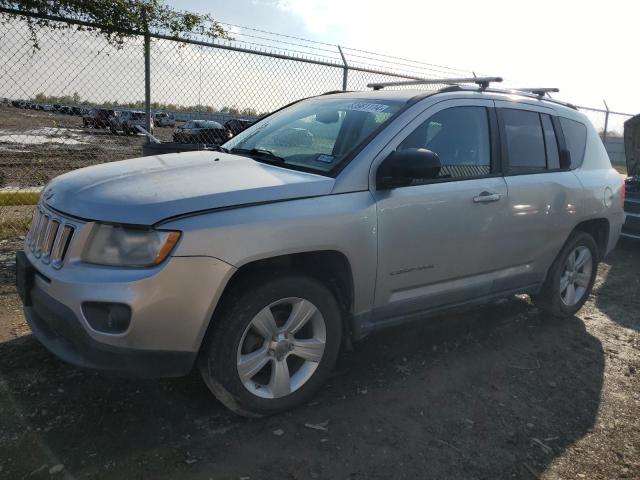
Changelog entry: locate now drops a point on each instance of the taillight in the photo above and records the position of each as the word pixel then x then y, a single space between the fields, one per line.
pixel 623 192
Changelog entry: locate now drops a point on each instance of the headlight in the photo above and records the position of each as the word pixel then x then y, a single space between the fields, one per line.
pixel 131 247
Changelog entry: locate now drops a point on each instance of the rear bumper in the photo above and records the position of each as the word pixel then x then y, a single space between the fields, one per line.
pixel 60 331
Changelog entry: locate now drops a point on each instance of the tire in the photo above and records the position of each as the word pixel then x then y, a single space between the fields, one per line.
pixel 234 337
pixel 556 300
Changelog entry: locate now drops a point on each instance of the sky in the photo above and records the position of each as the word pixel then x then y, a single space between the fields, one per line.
pixel 582 47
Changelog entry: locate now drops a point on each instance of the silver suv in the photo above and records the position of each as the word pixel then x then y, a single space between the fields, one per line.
pixel 257 261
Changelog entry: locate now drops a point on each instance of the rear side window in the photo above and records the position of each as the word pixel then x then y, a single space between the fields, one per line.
pixel 525 140
pixel 575 137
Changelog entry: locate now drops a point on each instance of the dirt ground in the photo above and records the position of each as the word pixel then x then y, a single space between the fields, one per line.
pixel 36 146
pixel 497 392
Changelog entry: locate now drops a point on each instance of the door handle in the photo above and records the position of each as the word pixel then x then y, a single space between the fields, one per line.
pixel 487 197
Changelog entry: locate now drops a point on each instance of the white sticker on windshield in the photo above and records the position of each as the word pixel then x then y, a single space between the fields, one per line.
pixel 367 107
pixel 325 158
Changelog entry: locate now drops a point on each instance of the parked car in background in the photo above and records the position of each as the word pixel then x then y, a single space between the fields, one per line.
pixel 631 228
pixel 162 119
pixel 65 109
pixel 76 111
pixel 201 131
pixel 257 263
pixel 97 118
pixel 236 125
pixel 127 120
pixel 47 108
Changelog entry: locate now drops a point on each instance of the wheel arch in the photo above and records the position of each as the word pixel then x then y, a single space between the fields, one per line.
pixel 599 229
pixel 330 267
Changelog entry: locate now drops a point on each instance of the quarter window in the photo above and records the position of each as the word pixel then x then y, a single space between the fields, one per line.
pixel 460 137
pixel 525 141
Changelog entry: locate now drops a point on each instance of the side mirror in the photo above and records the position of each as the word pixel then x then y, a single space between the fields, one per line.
pixel 565 159
pixel 401 167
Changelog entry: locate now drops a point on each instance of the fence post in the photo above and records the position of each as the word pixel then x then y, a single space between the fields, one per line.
pixel 345 70
pixel 147 81
pixel 606 122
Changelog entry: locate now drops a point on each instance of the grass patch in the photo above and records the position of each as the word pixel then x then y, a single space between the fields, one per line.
pixel 12 228
pixel 621 169
pixel 19 197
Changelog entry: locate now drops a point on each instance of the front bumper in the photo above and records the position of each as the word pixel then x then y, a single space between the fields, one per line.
pixel 171 306
pixel 61 332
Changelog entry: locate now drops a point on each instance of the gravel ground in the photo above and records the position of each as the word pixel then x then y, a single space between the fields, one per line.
pixel 491 393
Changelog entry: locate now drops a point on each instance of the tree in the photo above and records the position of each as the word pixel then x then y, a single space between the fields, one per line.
pixel 116 20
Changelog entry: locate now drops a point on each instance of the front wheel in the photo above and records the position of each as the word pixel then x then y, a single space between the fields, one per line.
pixel 570 278
pixel 273 344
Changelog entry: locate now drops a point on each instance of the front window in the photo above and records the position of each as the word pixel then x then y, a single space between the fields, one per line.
pixel 460 138
pixel 314 135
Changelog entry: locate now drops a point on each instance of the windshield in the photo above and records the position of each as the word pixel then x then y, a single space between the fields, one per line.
pixel 316 134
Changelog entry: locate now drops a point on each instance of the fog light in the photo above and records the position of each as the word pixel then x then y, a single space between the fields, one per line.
pixel 107 317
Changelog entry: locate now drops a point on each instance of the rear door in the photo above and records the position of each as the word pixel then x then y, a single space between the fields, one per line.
pixel 543 199
pixel 439 239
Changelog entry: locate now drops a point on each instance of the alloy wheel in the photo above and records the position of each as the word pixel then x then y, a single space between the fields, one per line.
pixel 575 279
pixel 281 348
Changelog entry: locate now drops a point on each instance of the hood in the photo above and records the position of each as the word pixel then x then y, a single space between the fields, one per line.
pixel 632 145
pixel 147 190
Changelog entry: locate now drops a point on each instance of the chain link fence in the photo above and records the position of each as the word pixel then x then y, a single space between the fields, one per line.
pixel 58 102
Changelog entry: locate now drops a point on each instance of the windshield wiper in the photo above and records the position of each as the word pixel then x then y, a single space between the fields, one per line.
pixel 260 154
pixel 218 148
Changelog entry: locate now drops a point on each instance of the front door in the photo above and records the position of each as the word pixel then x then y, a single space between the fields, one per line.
pixel 439 239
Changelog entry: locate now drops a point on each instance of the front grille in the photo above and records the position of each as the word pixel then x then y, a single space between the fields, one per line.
pixel 49 237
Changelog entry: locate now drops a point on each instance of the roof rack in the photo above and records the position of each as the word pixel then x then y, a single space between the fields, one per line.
pixel 482 82
pixel 541 92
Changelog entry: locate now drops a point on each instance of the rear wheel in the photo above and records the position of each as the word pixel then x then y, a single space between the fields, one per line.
pixel 571 277
pixel 273 345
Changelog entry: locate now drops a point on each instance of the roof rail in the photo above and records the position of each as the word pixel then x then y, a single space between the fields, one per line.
pixel 541 92
pixel 482 82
